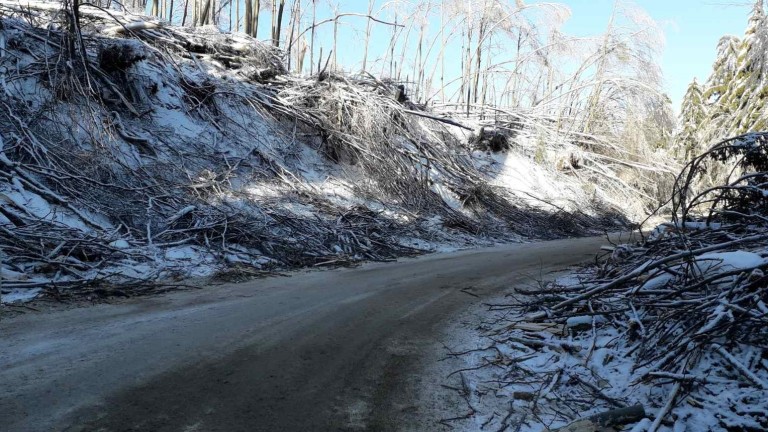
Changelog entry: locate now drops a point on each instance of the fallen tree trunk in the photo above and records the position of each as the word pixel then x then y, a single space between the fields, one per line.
pixel 615 417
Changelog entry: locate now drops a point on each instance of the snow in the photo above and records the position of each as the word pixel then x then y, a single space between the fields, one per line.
pixel 425 245
pixel 181 253
pixel 720 262
pixel 700 225
pixel 656 282
pixel 37 206
pixel 448 196
pixel 670 229
pixel 529 181
pixel 120 244
pixel 584 320
pixel 708 264
pixel 494 386
pixel 19 295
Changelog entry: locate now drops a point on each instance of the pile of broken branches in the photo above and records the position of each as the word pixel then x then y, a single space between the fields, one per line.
pixel 127 144
pixel 675 329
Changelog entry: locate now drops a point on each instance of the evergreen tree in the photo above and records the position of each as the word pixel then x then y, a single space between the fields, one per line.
pixel 735 92
pixel 717 87
pixel 743 99
pixel 692 117
pixel 723 70
pixel 755 115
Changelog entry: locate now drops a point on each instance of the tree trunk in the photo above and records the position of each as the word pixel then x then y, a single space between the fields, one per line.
pixel 256 10
pixel 248 19
pixel 367 34
pixel 278 24
pixel 335 39
pixel 184 16
pixel 478 54
pixel 312 38
pixel 294 18
pixel 205 12
pixel 237 16
pixel 468 71
pixel 615 417
pixel 442 52
pixel 392 44
pixel 418 68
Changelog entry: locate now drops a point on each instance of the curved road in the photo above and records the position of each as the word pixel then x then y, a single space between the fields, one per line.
pixel 317 351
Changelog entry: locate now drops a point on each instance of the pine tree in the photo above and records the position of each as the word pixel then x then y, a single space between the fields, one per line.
pixel 743 103
pixel 735 90
pixel 753 61
pixel 693 114
pixel 717 88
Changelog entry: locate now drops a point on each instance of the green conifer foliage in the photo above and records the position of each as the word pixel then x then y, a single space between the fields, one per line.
pixel 693 114
pixel 733 100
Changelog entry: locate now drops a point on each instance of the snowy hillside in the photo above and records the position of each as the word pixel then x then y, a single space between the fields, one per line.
pixel 138 153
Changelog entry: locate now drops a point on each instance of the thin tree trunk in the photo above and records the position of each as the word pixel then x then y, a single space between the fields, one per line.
pixel 294 17
pixel 312 38
pixel 468 72
pixel 205 13
pixel 184 16
pixel 478 54
pixel 274 21
pixel 442 52
pixel 367 34
pixel 256 10
pixel 403 51
pixel 248 19
pixel 274 18
pixel 419 66
pixel 278 24
pixel 463 69
pixel 392 49
pixel 335 39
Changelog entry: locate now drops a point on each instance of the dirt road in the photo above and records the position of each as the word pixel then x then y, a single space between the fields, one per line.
pixel 317 351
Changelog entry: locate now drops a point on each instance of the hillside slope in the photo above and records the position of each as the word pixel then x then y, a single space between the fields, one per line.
pixel 134 152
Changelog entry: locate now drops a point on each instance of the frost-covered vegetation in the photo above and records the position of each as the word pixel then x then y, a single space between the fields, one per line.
pixel 666 334
pixel 139 150
pixel 732 100
pixel 134 152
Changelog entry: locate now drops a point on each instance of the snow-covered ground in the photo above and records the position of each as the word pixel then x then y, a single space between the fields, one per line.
pixel 526 374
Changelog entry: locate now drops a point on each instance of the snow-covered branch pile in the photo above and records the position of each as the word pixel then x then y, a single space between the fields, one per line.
pixel 132 151
pixel 675 330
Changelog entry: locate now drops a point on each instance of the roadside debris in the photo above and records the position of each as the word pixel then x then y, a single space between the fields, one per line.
pixel 676 326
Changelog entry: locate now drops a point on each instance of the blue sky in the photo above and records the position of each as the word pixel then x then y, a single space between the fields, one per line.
pixel 692 29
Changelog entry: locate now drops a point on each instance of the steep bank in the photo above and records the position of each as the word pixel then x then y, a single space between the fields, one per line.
pixel 134 152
